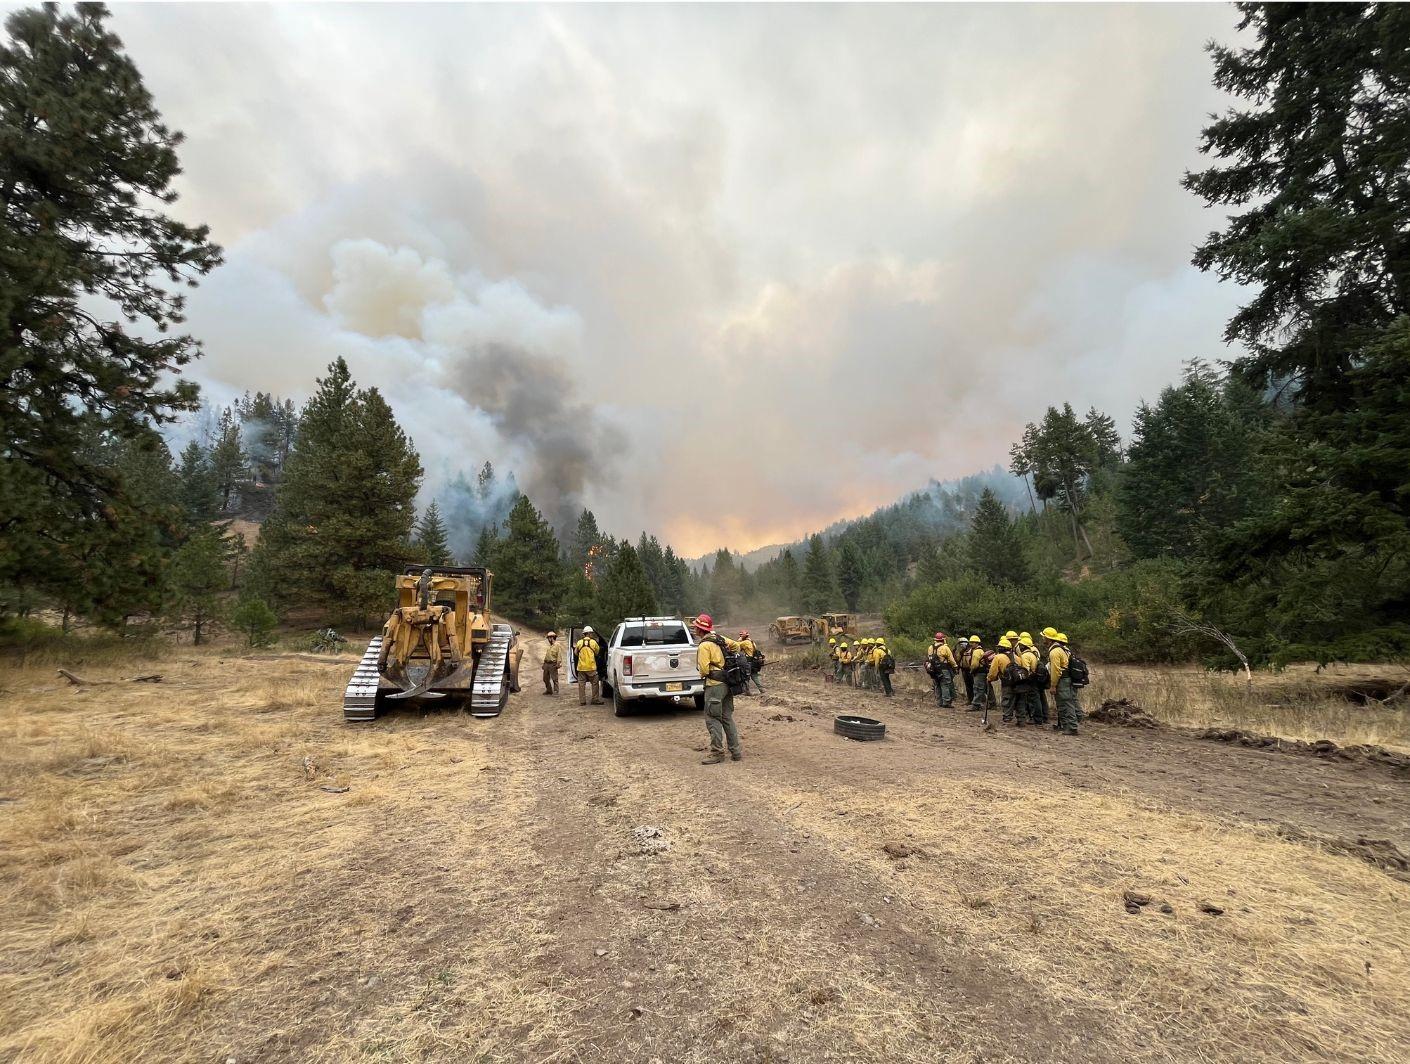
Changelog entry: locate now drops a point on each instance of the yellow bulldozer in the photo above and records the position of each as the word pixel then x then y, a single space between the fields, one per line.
pixel 440 642
pixel 792 630
pixel 835 626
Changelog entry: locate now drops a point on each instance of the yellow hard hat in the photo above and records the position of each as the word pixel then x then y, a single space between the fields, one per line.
pixel 1010 634
pixel 844 646
pixel 832 642
pixel 975 639
pixel 1024 637
pixel 1004 642
pixel 1050 632
pixel 1060 638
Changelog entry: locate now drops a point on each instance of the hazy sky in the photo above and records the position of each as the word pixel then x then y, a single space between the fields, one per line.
pixel 725 273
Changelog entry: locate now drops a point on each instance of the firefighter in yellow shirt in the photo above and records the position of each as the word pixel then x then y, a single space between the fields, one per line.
pixel 749 649
pixel 1029 699
pixel 979 687
pixel 998 667
pixel 719 699
pixel 884 664
pixel 585 663
pixel 1060 684
pixel 844 664
pixel 940 666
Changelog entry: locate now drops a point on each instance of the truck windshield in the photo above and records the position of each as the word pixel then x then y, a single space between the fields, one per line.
pixel 654 635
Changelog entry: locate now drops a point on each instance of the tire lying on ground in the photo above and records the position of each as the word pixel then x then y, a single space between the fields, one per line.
pixel 863 729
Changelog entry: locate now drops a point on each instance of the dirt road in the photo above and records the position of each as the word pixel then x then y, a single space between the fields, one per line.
pixel 561 884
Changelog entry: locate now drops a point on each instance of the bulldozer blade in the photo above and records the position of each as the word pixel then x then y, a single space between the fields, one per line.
pixel 417 692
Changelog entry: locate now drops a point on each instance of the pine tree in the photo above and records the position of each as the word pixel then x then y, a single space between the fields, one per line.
pixel 994 548
pixel 229 467
pixel 86 166
pixel 624 590
pixel 253 618
pixel 198 581
pixel 485 484
pixel 528 575
pixel 1316 164
pixel 485 546
pixel 1192 467
pixel 579 604
pixel 588 546
pixel 342 520
pixel 818 589
pixel 849 574
pixel 671 595
pixel 726 590
pixel 431 537
pixel 199 497
pixel 790 581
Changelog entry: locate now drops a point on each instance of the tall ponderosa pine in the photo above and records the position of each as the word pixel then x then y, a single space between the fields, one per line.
pixel 528 576
pixel 994 547
pixel 199 498
pixel 431 540
pixel 342 520
pixel 1316 162
pixel 85 165
pixel 726 583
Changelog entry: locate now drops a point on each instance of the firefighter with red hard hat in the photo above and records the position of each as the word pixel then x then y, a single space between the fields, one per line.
pixel 719 699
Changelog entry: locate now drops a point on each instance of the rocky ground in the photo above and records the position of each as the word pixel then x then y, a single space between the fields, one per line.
pixel 216 868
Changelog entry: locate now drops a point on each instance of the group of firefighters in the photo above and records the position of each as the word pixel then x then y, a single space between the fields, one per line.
pixel 1019 675
pixel 867 663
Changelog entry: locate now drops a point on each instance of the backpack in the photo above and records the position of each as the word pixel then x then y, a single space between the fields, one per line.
pixel 756 659
pixel 1017 675
pixel 888 663
pixel 1077 671
pixel 736 670
pixel 1042 676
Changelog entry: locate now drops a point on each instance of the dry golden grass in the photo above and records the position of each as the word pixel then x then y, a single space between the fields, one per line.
pixel 1295 704
pixel 178 885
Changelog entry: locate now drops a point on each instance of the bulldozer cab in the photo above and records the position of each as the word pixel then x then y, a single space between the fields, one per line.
pixel 464 590
pixel 839 624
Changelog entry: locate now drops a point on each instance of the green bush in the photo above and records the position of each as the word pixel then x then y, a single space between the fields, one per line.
pixel 254 618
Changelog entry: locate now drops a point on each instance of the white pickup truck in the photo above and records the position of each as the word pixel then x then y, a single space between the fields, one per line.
pixel 651 658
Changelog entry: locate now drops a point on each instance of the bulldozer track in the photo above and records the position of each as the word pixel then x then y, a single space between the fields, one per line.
pixel 490 691
pixel 360 697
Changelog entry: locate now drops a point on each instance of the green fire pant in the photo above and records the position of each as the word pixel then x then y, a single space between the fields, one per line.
pixel 1069 710
pixel 719 719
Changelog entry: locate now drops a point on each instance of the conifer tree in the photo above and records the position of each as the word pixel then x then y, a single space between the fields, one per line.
pixel 431 539
pixel 726 584
pixel 624 590
pixel 85 169
pixel 199 497
pixel 198 581
pixel 994 548
pixel 579 604
pixel 818 588
pixel 342 520
pixel 229 467
pixel 528 575
pixel 253 618
pixel 849 574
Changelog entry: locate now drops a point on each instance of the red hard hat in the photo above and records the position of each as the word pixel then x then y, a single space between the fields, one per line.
pixel 703 623
pixel 939 635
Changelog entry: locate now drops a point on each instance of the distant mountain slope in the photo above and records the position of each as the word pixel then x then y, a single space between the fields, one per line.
pixel 951 502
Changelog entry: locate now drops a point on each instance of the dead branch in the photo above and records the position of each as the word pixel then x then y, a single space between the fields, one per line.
pixel 79 681
pixel 1181 623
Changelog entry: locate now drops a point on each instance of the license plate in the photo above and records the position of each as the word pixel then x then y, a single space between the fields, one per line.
pixel 675 687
